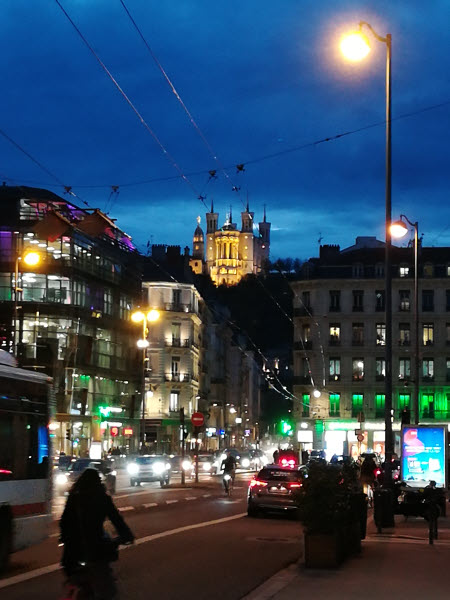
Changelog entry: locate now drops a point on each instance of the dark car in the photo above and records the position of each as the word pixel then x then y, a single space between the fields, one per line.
pixel 181 463
pixel 206 464
pixel 149 468
pixel 275 488
pixel 65 479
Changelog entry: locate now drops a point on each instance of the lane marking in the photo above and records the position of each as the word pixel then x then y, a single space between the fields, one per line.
pixel 150 504
pixel 152 490
pixel 125 508
pixel 207 495
pixel 191 498
pixel 171 501
pixel 149 538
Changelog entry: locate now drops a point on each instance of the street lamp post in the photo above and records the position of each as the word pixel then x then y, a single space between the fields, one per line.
pixel 356 47
pixel 30 258
pixel 144 318
pixel 399 229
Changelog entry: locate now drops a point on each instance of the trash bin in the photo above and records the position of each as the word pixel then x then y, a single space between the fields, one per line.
pixel 358 505
pixel 383 508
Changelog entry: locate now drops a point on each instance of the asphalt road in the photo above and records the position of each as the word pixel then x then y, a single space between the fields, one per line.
pixel 191 543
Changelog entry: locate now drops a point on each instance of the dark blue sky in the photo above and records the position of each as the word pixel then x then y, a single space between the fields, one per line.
pixel 259 77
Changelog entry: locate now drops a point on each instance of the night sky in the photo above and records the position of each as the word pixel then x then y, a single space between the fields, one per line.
pixel 259 78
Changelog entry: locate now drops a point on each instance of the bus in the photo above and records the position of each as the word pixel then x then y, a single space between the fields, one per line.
pixel 25 469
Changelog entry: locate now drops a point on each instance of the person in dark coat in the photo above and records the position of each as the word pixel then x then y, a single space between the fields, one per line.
pixel 87 549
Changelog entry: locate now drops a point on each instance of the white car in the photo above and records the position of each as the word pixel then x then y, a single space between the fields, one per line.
pixel 149 468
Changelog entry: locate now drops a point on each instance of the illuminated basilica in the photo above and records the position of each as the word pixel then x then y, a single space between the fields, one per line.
pixel 230 253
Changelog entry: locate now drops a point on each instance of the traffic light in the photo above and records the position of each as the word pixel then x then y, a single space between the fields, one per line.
pixel 68 434
pixel 286 428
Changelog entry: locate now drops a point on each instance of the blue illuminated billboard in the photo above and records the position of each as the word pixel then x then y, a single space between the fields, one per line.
pixel 424 454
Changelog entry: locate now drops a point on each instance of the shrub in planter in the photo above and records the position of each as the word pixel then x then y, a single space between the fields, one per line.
pixel 326 513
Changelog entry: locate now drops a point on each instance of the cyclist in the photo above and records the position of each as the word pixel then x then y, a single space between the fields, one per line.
pixel 88 551
pixel 229 468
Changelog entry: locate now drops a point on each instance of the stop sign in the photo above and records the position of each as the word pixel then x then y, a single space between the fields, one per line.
pixel 197 419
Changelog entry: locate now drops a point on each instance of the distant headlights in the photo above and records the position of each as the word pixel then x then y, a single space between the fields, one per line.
pixel 206 466
pixel 245 463
pixel 61 479
pixel 186 465
pixel 133 469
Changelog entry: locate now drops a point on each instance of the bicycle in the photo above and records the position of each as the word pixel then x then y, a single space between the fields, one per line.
pixel 228 484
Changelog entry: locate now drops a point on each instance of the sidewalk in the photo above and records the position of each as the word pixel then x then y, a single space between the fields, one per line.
pixel 399 563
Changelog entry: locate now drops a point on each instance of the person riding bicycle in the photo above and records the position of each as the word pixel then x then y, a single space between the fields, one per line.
pixel 88 551
pixel 229 466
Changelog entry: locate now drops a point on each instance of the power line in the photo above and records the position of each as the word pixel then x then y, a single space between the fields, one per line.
pixel 128 101
pixel 258 159
pixel 177 95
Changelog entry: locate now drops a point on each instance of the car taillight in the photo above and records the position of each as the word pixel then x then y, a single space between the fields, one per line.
pixel 377 472
pixel 295 485
pixel 256 482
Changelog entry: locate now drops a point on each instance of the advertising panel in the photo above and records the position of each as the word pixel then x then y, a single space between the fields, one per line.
pixel 424 455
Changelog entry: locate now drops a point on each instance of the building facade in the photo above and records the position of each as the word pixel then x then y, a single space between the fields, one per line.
pixel 339 344
pixel 69 315
pixel 227 253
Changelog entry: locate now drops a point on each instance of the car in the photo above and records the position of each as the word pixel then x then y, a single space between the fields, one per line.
pixel 275 488
pixel 64 480
pixel 258 459
pixel 154 467
pixel 206 464
pixel 181 463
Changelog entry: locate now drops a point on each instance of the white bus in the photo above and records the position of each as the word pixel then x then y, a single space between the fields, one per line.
pixel 25 469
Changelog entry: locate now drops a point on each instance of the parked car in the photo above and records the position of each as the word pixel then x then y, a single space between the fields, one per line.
pixel 275 488
pixel 63 480
pixel 149 468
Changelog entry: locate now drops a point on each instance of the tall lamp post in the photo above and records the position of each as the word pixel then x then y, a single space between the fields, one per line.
pixel 399 229
pixel 355 47
pixel 143 343
pixel 31 259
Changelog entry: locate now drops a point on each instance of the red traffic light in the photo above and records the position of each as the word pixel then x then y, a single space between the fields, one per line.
pixel 114 431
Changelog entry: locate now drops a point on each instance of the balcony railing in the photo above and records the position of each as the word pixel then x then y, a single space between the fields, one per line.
pixel 178 307
pixel 178 377
pixel 178 343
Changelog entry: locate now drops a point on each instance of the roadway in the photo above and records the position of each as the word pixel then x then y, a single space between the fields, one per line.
pixel 191 542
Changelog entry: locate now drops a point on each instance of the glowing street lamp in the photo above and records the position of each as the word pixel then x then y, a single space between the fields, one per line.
pixel 400 229
pixel 31 258
pixel 144 318
pixel 356 47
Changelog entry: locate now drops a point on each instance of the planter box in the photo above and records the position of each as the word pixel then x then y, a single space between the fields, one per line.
pixel 322 550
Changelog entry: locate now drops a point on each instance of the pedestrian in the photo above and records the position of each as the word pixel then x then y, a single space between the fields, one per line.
pixel 276 456
pixel 88 551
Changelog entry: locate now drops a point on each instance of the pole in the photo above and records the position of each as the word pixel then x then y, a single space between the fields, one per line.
pixel 16 300
pixel 182 444
pixel 416 323
pixel 196 454
pixel 389 445
pixel 144 356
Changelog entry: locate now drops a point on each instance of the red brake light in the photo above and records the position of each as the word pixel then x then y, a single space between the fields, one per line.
pixel 256 482
pixel 284 462
pixel 295 485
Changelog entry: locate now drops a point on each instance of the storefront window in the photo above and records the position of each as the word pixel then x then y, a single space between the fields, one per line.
pixel 306 399
pixel 357 405
pixel 5 286
pixel 379 405
pixel 404 401
pixel 335 405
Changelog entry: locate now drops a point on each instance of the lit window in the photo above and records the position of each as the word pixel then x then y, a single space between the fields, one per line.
pixel 404 271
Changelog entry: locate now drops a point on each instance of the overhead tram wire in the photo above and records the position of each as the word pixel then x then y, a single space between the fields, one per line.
pixel 129 102
pixel 67 188
pixel 256 160
pixel 178 97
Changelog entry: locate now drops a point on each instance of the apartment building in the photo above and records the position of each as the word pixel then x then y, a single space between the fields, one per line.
pixel 339 344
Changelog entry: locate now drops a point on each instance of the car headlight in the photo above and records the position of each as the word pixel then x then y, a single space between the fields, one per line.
pixel 133 468
pixel 168 466
pixel 61 479
pixel 159 468
pixel 206 466
pixel 186 465
pixel 245 463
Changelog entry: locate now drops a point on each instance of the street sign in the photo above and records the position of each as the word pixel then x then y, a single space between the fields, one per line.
pixel 197 419
pixel 114 431
pixel 127 431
